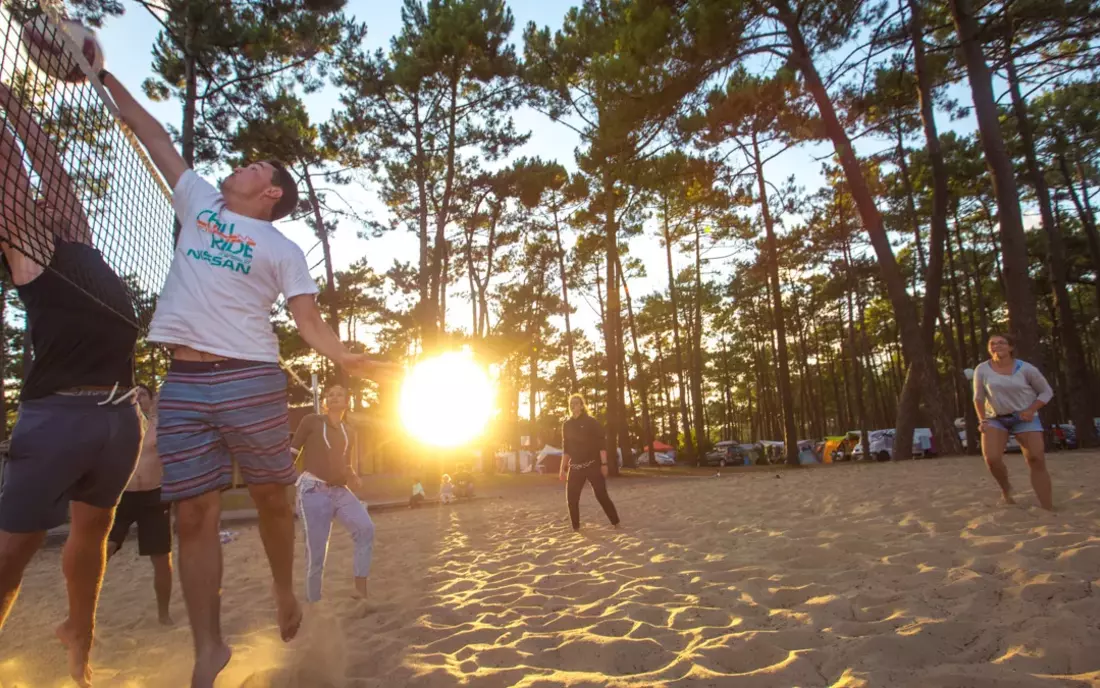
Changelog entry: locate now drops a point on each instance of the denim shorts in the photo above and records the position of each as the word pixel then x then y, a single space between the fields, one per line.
pixel 67 448
pixel 1014 425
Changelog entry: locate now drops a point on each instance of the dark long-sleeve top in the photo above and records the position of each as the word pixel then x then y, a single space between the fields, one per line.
pixel 582 439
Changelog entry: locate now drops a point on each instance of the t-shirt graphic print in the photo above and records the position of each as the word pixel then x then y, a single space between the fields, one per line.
pixel 227 272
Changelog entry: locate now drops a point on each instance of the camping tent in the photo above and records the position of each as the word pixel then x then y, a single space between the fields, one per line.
pixel 506 462
pixel 548 459
pixel 659 446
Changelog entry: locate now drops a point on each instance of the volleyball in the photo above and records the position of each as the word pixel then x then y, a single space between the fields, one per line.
pixel 49 53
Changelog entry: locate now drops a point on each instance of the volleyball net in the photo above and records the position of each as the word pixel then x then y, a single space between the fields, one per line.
pixel 69 171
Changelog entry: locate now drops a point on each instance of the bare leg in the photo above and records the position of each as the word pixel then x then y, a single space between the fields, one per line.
pixel 83 561
pixel 112 548
pixel 16 551
pixel 361 587
pixel 277 533
pixel 201 577
pixel 1032 445
pixel 162 585
pixel 993 449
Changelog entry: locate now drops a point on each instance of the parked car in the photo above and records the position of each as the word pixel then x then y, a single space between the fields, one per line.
pixel 729 453
pixel 882 444
pixel 1011 447
pixel 1065 436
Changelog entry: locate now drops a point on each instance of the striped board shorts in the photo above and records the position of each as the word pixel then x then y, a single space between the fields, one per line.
pixel 210 414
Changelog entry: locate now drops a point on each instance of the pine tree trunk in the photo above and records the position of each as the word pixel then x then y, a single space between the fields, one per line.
pixel 673 429
pixel 1019 294
pixel 915 351
pixel 689 446
pixel 640 376
pixel 702 440
pixel 419 165
pixel 322 234
pixel 909 403
pixel 727 392
pixel 1076 369
pixel 975 298
pixel 1088 222
pixel 565 302
pixel 910 206
pixel 433 316
pixel 790 434
pixel 611 334
pixel 970 418
pixel 853 352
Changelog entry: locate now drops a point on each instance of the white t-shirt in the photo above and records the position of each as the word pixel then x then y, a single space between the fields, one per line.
pixel 227 272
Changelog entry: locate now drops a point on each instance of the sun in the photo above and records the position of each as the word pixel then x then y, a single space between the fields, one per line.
pixel 447 400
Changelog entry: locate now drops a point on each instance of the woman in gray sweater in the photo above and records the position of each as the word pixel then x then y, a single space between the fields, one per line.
pixel 1008 394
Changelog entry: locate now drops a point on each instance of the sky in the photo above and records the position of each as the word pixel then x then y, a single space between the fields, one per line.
pixel 128 41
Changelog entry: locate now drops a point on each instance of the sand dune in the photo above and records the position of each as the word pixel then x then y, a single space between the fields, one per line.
pixel 879 575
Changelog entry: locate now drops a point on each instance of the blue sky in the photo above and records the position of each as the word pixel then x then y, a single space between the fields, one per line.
pixel 128 41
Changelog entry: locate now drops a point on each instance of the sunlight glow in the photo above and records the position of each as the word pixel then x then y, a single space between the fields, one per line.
pixel 447 400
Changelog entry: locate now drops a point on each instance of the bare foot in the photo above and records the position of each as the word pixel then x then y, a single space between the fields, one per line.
pixel 80 648
pixel 289 614
pixel 360 589
pixel 208 665
pixel 166 620
pixel 1007 496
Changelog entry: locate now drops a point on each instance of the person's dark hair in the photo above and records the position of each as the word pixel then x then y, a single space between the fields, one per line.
pixel 282 178
pixel 1007 337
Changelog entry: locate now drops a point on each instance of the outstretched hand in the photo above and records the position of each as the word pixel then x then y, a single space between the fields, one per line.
pixel 362 365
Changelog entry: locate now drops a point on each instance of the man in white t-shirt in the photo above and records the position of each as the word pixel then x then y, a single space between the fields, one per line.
pixel 224 399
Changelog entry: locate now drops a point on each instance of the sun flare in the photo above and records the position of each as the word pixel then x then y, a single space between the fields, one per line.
pixel 447 400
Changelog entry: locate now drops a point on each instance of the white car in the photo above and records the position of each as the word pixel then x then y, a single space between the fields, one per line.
pixel 882 444
pixel 1011 447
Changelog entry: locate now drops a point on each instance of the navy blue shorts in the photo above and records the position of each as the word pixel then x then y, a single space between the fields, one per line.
pixel 63 449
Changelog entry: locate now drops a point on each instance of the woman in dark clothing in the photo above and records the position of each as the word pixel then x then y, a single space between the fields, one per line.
pixel 582 440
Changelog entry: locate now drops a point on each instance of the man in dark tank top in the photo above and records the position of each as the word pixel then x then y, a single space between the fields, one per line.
pixel 78 434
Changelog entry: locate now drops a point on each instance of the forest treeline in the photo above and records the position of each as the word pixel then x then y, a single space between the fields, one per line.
pixel 956 142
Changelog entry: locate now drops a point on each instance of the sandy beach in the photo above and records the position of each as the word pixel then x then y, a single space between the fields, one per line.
pixel 909 574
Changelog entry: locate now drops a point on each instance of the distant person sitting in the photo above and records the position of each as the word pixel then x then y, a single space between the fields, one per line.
pixel 417 495
pixel 465 483
pixel 446 490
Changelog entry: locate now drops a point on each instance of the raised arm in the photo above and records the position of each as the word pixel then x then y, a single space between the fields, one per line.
pixel 55 184
pixel 148 130
pixel 26 255
pixel 316 332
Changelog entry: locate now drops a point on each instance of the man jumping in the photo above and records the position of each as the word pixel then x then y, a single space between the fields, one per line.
pixel 141 504
pixel 224 399
pixel 78 434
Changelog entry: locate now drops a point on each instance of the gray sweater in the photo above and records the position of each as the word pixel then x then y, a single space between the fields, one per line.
pixel 1004 394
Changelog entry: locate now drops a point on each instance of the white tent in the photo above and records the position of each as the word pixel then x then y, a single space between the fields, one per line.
pixel 506 461
pixel 547 451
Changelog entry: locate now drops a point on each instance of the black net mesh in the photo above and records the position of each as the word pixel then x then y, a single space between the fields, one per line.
pixel 69 171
